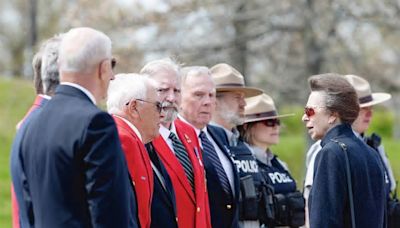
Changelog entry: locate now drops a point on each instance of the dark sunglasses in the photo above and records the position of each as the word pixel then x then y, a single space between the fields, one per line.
pixel 157 104
pixel 309 111
pixel 271 122
pixel 113 63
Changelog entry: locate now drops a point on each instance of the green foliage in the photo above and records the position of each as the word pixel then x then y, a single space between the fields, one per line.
pixel 382 122
pixel 292 125
pixel 16 96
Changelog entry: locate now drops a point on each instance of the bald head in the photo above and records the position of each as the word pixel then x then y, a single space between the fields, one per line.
pixel 82 49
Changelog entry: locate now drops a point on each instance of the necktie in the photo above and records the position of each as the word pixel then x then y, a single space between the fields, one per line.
pixel 210 152
pixel 181 154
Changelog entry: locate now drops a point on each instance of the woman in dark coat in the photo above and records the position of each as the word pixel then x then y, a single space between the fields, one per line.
pixel 331 109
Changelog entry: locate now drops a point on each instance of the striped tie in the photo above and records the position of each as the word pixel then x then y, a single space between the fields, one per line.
pixel 210 152
pixel 181 154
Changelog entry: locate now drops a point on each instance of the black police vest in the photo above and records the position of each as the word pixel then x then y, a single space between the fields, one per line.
pixel 277 176
pixel 246 163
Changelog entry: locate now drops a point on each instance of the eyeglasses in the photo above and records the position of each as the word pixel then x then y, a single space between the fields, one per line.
pixel 113 63
pixel 157 104
pixel 310 111
pixel 271 122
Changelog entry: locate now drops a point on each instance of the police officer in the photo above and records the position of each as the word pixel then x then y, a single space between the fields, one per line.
pixel 260 131
pixel 229 113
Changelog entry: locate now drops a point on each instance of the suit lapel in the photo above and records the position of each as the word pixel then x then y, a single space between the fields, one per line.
pixel 169 159
pixel 143 153
pixel 219 141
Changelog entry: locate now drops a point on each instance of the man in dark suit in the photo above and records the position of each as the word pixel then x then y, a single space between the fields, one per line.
pixel 178 148
pixel 73 168
pixel 44 66
pixel 197 107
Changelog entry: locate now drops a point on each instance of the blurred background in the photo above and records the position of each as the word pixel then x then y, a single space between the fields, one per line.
pixel 276 45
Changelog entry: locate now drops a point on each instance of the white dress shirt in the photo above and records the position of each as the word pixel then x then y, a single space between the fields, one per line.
pixel 81 88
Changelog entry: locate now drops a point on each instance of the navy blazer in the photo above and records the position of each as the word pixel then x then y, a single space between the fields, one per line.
pixel 74 169
pixel 224 208
pixel 15 166
pixel 328 201
pixel 163 206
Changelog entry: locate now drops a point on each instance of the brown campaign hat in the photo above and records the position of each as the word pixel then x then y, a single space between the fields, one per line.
pixel 227 79
pixel 365 97
pixel 261 107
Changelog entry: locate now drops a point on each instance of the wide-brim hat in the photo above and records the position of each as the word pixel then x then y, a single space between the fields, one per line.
pixel 261 107
pixel 228 79
pixel 365 97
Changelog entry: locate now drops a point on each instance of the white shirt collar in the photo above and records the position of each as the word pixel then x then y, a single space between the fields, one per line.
pixel 47 97
pixel 164 132
pixel 81 88
pixel 131 126
pixel 195 129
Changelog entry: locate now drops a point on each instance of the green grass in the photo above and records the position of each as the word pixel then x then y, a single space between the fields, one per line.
pixel 16 96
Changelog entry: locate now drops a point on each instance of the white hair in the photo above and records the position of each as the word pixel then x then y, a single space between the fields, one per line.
pixel 166 64
pixel 194 71
pixel 49 68
pixel 126 87
pixel 82 48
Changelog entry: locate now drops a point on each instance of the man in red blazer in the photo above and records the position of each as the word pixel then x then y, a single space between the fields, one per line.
pixel 46 78
pixel 132 101
pixel 178 148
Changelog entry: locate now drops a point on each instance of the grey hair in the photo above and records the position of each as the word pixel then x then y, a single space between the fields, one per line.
pixel 126 87
pixel 156 66
pixel 37 78
pixel 195 71
pixel 82 48
pixel 49 67
pixel 340 95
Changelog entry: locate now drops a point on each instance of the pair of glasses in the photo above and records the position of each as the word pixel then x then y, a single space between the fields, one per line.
pixel 157 104
pixel 310 111
pixel 113 63
pixel 271 122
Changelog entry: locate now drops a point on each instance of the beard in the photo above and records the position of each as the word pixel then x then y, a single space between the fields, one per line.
pixel 169 111
pixel 230 116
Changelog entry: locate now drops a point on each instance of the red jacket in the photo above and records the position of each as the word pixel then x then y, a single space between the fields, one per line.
pixel 14 204
pixel 139 166
pixel 192 209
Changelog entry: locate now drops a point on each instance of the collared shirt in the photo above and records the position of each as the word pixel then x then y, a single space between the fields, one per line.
pixel 81 88
pixel 131 126
pixel 164 132
pixel 232 137
pixel 47 97
pixel 266 156
pixel 222 157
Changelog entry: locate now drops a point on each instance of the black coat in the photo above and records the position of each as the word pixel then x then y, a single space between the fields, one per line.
pixel 74 166
pixel 328 202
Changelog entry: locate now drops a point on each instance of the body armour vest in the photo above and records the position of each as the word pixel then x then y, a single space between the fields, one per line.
pixel 246 163
pixel 277 176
